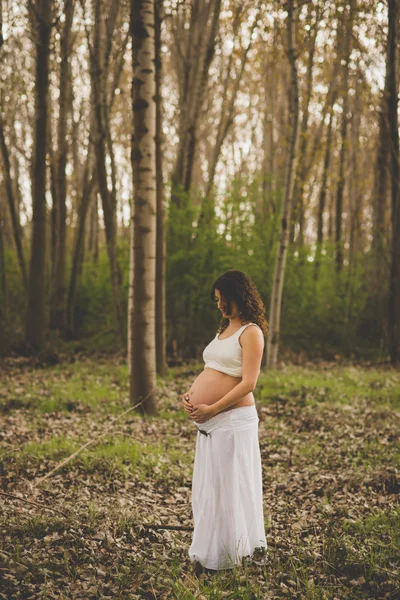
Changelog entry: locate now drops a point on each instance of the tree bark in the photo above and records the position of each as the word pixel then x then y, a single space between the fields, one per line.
pixel 3 275
pixel 12 205
pixel 343 134
pixel 381 189
pixel 293 126
pixel 142 284
pixel 393 89
pixel 300 180
pixel 88 185
pixel 35 316
pixel 161 326
pixel 57 311
pixel 324 187
pixel 89 182
pixel 99 70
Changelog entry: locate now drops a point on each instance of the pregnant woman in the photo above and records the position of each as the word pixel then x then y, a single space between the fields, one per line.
pixel 227 500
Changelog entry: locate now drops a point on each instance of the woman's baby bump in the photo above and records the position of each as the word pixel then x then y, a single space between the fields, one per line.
pixel 210 386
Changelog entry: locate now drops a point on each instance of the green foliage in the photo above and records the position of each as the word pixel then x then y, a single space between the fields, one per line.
pixel 327 313
pixel 324 313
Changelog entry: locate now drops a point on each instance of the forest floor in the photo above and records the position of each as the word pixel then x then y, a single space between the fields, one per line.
pixel 329 439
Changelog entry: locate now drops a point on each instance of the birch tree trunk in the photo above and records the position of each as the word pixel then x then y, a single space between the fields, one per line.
pixel 393 88
pixel 293 127
pixel 161 328
pixel 35 316
pixel 142 308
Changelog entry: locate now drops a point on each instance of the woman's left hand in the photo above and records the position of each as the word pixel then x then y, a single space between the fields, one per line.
pixel 201 413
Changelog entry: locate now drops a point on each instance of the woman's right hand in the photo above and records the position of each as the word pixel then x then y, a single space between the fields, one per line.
pixel 186 404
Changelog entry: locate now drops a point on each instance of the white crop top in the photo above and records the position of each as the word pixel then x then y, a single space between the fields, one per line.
pixel 225 355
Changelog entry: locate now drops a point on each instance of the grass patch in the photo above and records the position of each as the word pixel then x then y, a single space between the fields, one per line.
pixel 336 386
pixel 114 452
pixel 367 551
pixel 77 386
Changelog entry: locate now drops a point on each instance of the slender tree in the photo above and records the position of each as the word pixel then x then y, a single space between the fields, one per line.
pixel 323 190
pixel 195 46
pixel 58 312
pixel 291 161
pixel 161 329
pixel 12 202
pixel 41 12
pixel 226 117
pixel 100 55
pixel 349 19
pixel 300 180
pixel 393 89
pixel 141 319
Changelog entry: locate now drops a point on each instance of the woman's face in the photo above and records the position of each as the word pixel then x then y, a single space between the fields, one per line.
pixel 222 305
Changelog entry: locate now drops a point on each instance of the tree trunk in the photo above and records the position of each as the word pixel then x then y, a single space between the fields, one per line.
pixel 12 205
pixel 57 312
pixel 89 182
pixel 341 178
pixel 293 126
pixel 99 70
pixel 300 180
pixel 380 197
pixel 268 145
pixel 196 58
pixel 225 122
pixel 94 229
pixel 322 194
pixel 142 307
pixel 35 316
pixel 161 327
pixel 393 89
pixel 3 274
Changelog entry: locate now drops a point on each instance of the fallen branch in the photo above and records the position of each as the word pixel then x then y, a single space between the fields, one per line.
pixel 92 441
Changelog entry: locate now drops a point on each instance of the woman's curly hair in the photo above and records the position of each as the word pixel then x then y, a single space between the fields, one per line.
pixel 237 286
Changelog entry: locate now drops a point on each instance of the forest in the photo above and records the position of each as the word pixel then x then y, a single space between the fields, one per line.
pixel 146 147
pixel 275 147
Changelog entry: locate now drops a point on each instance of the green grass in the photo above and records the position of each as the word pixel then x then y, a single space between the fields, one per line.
pixel 114 452
pixel 367 548
pixel 329 445
pixel 337 385
pixel 83 385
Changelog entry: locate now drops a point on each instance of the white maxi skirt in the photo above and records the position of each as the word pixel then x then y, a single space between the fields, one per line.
pixel 227 498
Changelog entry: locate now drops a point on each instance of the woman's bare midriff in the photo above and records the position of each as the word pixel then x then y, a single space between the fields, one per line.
pixel 211 385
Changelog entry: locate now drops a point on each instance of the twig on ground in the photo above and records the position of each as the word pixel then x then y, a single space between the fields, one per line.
pixel 92 441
